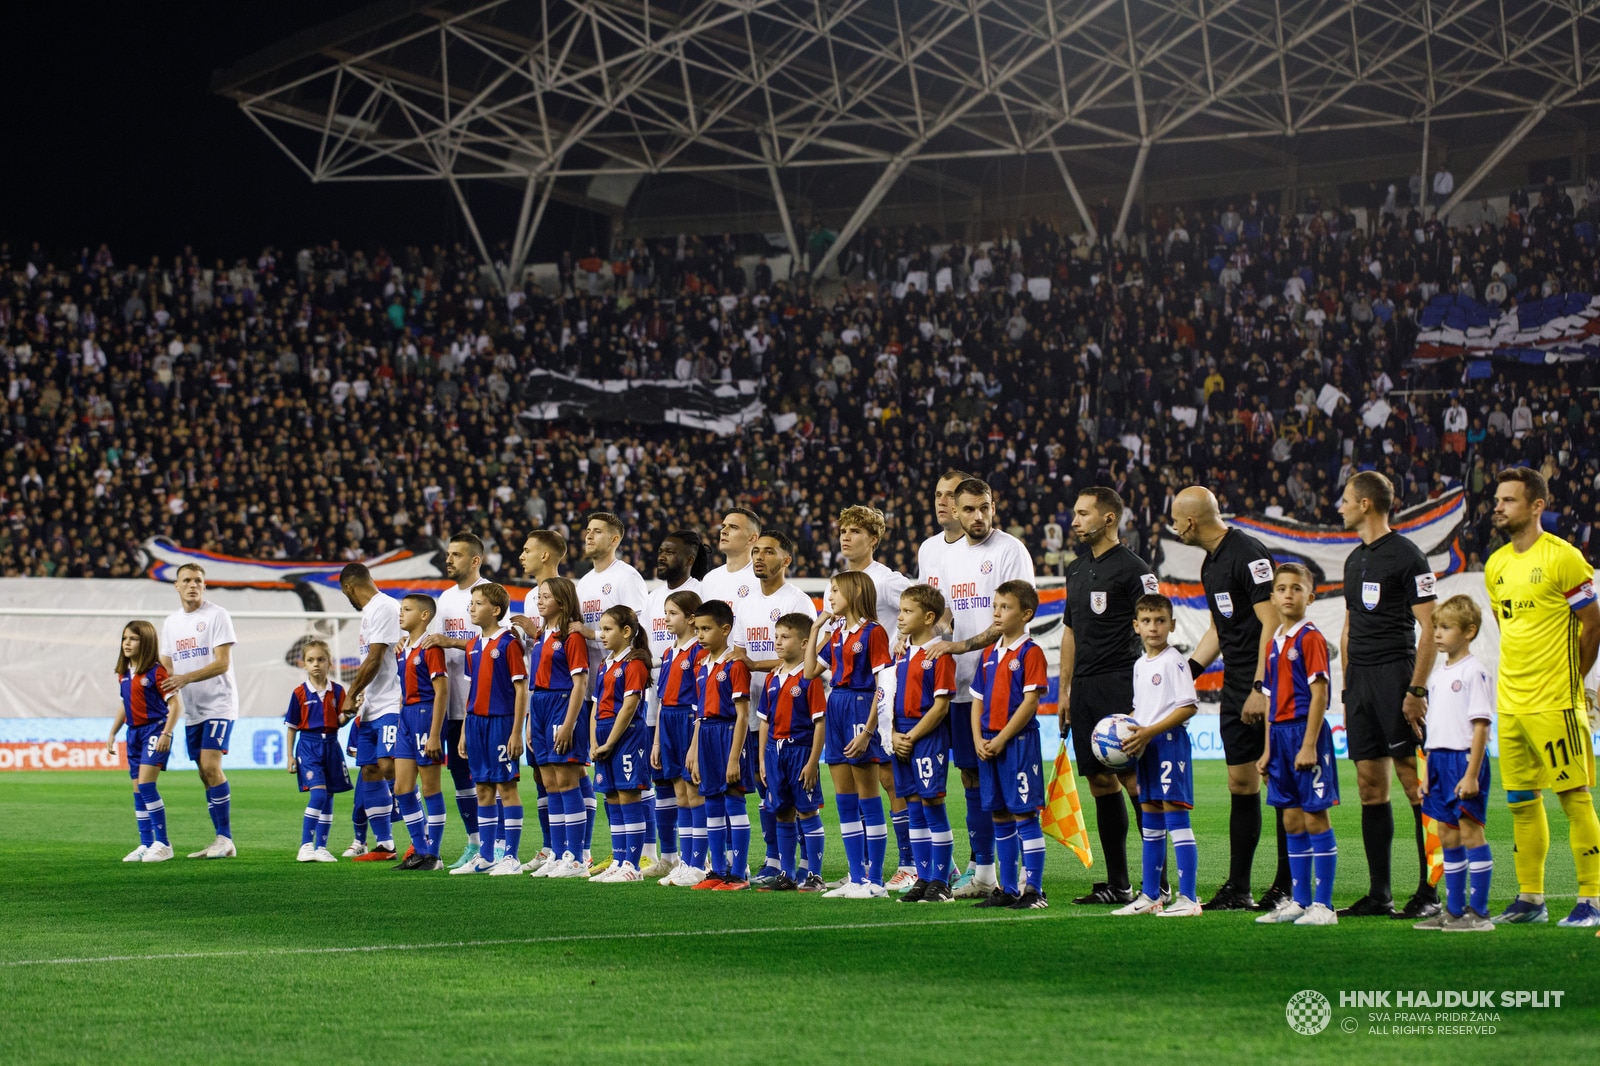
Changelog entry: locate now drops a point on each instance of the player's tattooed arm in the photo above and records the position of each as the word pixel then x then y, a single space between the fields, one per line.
pixel 941 648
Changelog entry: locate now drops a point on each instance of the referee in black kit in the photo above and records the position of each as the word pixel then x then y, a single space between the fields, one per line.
pixel 1098 649
pixel 1388 590
pixel 1237 577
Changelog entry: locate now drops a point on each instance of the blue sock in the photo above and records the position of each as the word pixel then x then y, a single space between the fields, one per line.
pixel 1031 839
pixel 217 798
pixel 586 790
pixel 635 819
pixel 142 817
pixel 512 827
pixel 358 810
pixel 1005 853
pixel 434 806
pixel 1300 867
pixel 738 811
pixel 1324 860
pixel 380 800
pixel 324 800
pixel 901 820
pixel 1480 868
pixel 940 842
pixel 917 833
pixel 1185 851
pixel 500 823
pixel 1455 879
pixel 1153 824
pixel 877 832
pixel 488 823
pixel 544 811
pixel 694 852
pixel 810 826
pixel 416 822
pixel 157 812
pixel 467 807
pixel 308 824
pixel 716 836
pixel 566 822
pixel 614 820
pixel 980 829
pixel 666 816
pixel 788 839
pixel 855 844
pixel 769 834
pixel 647 797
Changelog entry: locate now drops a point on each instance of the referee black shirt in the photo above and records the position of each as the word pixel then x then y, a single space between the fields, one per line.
pixel 1236 576
pixel 1382 582
pixel 1101 592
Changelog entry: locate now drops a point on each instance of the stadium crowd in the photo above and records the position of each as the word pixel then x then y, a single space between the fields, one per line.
pixel 337 403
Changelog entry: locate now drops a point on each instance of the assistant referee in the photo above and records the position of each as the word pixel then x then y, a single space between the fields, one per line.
pixel 1388 595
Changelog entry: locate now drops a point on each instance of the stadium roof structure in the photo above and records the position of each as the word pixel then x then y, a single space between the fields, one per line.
pixel 586 100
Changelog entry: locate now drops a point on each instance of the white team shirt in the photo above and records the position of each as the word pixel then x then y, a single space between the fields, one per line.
pixel 732 587
pixel 380 624
pixel 889 585
pixel 969 575
pixel 1457 696
pixel 754 620
pixel 931 557
pixel 450 619
pixel 661 638
pixel 601 590
pixel 191 639
pixel 1161 685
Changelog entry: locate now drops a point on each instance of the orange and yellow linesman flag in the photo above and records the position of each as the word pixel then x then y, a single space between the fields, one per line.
pixel 1062 817
pixel 1430 828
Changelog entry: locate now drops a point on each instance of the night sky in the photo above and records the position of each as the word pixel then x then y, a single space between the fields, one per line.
pixel 112 135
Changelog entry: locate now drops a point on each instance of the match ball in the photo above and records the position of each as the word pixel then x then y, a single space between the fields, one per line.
pixel 1108 737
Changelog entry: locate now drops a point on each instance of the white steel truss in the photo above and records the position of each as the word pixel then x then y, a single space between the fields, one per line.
pixel 741 91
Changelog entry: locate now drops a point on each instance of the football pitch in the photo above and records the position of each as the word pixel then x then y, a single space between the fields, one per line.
pixel 262 959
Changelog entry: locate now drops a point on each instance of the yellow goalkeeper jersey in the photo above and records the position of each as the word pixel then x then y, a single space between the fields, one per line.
pixel 1535 595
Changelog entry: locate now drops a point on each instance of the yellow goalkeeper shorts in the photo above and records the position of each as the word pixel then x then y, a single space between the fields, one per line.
pixel 1546 749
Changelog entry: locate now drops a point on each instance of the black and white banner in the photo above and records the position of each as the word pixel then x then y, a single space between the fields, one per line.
pixel 720 408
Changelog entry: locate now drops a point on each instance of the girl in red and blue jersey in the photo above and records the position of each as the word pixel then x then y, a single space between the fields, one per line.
pixel 849 644
pixel 620 739
pixel 557 732
pixel 150 723
pixel 669 753
pixel 316 712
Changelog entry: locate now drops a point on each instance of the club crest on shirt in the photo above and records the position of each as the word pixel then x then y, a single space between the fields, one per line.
pixel 1155 679
pixel 927 664
pixel 1225 604
pixel 987 567
pixel 605 590
pixel 1097 602
pixel 794 691
pixel 742 591
pixel 1016 664
pixel 199 627
pixel 1370 593
pixel 1293 655
pixel 776 614
pixel 1455 686
pixel 856 647
pixel 722 675
pixel 494 653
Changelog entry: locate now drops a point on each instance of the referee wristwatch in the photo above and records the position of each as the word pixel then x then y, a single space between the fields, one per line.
pixel 1418 691
pixel 1259 686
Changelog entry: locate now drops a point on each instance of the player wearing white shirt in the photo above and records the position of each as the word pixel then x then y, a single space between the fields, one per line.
pixel 861 530
pixel 970 571
pixel 755 626
pixel 931 555
pixel 463 564
pixel 680 561
pixel 609 583
pixel 375 692
pixel 733 582
pixel 197 652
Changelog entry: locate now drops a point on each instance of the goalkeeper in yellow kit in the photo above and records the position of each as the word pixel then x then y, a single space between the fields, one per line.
pixel 1541 590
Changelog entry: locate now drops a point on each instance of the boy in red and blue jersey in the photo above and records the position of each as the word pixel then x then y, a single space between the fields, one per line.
pixel 922 693
pixel 789 708
pixel 1011 678
pixel 720 759
pixel 675 725
pixel 316 712
pixel 497 703
pixel 419 750
pixel 1302 777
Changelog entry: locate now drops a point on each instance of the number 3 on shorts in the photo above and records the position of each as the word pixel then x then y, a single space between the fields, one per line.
pixel 1022 786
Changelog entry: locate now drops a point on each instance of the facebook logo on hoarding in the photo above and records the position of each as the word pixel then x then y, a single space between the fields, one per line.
pixel 268 747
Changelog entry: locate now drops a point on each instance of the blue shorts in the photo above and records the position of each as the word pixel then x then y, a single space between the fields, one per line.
pixel 1166 769
pixel 962 753
pixel 628 765
pixel 211 735
pixel 786 763
pixel 847 716
pixel 923 775
pixel 142 751
pixel 321 764
pixel 1311 790
pixel 486 736
pixel 377 739
pixel 1013 781
pixel 416 722
pixel 674 732
pixel 1446 768
pixel 716 745
pixel 547 709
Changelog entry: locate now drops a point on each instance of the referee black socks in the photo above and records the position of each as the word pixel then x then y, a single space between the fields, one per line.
pixel 1244 833
pixel 1111 818
pixel 1423 886
pixel 1377 840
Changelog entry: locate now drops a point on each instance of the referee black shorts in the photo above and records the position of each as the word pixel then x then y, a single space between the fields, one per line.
pixel 1242 742
pixel 1375 725
pixel 1094 698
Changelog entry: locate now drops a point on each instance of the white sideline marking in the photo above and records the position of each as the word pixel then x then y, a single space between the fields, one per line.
pixel 575 937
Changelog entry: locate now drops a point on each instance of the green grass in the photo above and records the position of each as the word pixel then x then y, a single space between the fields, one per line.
pixel 511 969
